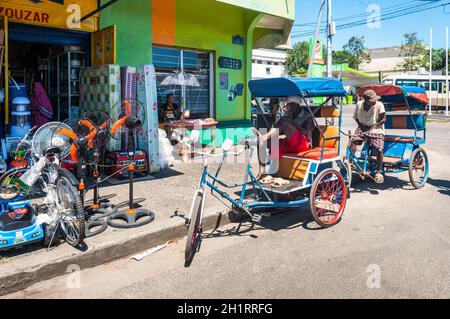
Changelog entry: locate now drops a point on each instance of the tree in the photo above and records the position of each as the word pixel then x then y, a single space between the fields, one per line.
pixel 297 59
pixel 414 51
pixel 438 59
pixel 355 52
pixel 342 56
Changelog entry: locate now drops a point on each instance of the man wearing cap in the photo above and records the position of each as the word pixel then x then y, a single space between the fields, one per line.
pixel 370 114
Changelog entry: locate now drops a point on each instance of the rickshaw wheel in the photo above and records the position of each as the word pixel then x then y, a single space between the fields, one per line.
pixel 194 228
pixel 348 167
pixel 418 168
pixel 328 198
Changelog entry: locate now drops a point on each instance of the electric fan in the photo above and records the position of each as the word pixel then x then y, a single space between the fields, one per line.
pixel 99 207
pixel 83 138
pixel 130 118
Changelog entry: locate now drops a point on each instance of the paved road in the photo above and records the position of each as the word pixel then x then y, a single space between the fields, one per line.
pixel 392 237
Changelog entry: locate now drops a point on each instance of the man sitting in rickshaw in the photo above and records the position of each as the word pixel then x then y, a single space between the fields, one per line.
pixel 370 114
pixel 293 131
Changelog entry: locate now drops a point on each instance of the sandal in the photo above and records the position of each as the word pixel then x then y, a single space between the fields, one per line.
pixel 379 178
pixel 279 182
pixel 266 180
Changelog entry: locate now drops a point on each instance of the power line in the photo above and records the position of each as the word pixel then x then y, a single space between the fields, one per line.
pixel 365 14
pixel 393 15
pixel 386 16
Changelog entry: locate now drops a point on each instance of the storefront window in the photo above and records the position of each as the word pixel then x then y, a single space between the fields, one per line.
pixel 168 61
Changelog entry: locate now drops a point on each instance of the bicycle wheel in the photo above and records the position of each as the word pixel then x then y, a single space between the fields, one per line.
pixel 348 167
pixel 328 198
pixel 72 219
pixel 194 226
pixel 418 168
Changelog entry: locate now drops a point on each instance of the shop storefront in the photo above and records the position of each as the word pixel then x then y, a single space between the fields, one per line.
pixel 45 42
pixel 211 40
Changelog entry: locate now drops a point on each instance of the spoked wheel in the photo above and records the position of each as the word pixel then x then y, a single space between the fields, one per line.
pixel 419 168
pixel 328 198
pixel 194 227
pixel 72 222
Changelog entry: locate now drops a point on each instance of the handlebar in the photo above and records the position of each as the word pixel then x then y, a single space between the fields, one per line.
pixel 25 140
pixel 223 154
pixel 354 135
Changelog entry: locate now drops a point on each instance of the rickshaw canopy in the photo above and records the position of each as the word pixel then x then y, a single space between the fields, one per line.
pixel 294 86
pixel 416 97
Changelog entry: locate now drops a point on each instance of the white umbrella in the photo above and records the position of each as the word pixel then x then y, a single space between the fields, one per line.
pixel 181 79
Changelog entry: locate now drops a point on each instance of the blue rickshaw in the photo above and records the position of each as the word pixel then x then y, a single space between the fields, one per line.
pixel 406 111
pixel 317 177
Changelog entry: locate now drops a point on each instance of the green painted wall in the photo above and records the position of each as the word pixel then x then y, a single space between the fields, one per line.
pixel 212 30
pixel 134 30
pixel 203 25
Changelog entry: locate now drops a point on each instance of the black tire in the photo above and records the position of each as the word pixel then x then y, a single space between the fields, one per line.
pixel 194 226
pixel 72 226
pixel 419 157
pixel 332 198
pixel 348 167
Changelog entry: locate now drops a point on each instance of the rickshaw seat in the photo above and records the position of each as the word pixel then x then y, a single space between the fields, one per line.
pixel 315 154
pixel 402 139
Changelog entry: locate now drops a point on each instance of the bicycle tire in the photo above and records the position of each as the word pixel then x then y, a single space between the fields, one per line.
pixel 191 241
pixel 78 213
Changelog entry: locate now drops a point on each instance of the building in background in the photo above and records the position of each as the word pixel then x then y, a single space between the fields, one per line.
pixel 384 60
pixel 268 63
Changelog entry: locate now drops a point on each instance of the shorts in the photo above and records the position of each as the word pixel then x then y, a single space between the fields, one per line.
pixel 374 140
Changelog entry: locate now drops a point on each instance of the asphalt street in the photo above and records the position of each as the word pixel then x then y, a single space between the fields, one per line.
pixel 393 242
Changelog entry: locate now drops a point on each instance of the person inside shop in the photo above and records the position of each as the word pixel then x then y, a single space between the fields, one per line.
pixel 293 131
pixel 170 111
pixel 370 115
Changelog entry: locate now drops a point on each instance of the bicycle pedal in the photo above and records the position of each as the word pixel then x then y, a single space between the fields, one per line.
pixel 257 219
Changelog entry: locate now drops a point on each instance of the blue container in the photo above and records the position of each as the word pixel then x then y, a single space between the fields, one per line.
pixel 17 91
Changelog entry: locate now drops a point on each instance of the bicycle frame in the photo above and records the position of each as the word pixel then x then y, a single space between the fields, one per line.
pixel 250 183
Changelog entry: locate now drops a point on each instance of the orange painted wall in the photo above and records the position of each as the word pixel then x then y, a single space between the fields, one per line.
pixel 164 28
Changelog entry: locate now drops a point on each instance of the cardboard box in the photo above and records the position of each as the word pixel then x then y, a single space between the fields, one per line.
pixel 148 138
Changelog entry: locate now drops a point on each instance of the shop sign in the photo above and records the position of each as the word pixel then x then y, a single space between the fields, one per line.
pixel 237 39
pixel 318 51
pixel 51 13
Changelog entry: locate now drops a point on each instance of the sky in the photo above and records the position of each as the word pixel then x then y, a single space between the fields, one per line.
pixel 390 32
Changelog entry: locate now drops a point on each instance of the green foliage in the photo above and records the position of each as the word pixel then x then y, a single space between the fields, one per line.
pixel 414 51
pixel 354 53
pixel 438 59
pixel 297 58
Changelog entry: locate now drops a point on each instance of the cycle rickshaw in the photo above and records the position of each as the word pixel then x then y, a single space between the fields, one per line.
pixel 406 111
pixel 317 177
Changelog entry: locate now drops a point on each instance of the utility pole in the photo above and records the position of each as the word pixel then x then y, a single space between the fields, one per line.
pixel 331 28
pixel 446 72
pixel 430 98
pixel 316 37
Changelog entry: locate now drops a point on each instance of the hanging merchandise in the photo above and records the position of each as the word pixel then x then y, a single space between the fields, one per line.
pixel 130 119
pixel 41 107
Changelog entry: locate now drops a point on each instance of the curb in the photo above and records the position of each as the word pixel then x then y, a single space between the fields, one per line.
pixel 21 278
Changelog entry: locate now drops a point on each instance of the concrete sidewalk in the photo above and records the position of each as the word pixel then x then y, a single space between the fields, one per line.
pixel 169 195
